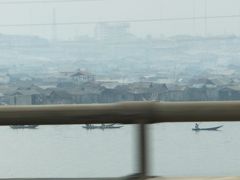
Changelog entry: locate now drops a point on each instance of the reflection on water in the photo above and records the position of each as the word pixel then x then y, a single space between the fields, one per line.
pixel 72 151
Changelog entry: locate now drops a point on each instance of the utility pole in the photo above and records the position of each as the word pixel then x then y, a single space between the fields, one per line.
pixel 205 18
pixel 194 17
pixel 54 26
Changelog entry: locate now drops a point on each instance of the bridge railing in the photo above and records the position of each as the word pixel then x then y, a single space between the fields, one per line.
pixel 141 113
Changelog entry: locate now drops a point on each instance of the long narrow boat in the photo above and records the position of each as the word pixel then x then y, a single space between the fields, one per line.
pixel 102 127
pixel 24 126
pixel 207 129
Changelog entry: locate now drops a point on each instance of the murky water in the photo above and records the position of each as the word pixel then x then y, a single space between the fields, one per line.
pixel 71 151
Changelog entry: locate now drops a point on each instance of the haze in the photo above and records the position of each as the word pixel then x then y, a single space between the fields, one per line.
pixel 113 10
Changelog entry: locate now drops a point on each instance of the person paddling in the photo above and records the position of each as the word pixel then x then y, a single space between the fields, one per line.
pixel 196 126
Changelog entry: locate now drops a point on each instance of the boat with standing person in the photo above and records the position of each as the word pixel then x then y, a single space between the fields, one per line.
pixel 197 128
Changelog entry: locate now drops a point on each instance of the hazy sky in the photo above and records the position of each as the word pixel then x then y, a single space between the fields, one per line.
pixel 108 10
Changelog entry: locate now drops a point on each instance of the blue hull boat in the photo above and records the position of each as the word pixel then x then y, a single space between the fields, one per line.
pixel 207 129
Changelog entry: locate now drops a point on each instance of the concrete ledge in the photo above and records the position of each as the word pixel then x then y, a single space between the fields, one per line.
pixel 132 178
pixel 197 178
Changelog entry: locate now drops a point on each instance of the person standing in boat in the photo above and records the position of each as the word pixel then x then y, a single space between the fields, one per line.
pixel 196 126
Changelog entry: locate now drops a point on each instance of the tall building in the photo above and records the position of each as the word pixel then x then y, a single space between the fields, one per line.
pixel 112 31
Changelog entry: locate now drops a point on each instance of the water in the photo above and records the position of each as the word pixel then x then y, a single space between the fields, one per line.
pixel 178 151
pixel 71 151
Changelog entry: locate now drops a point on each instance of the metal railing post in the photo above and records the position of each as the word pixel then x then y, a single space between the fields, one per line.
pixel 142 135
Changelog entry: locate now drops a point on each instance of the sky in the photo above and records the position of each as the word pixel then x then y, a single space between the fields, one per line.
pixel 117 10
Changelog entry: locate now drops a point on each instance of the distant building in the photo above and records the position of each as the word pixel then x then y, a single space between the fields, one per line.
pixel 201 82
pixel 58 96
pixel 74 78
pixel 22 41
pixel 112 31
pixel 138 91
pixel 82 76
pixel 20 98
pixel 229 93
pixel 25 96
